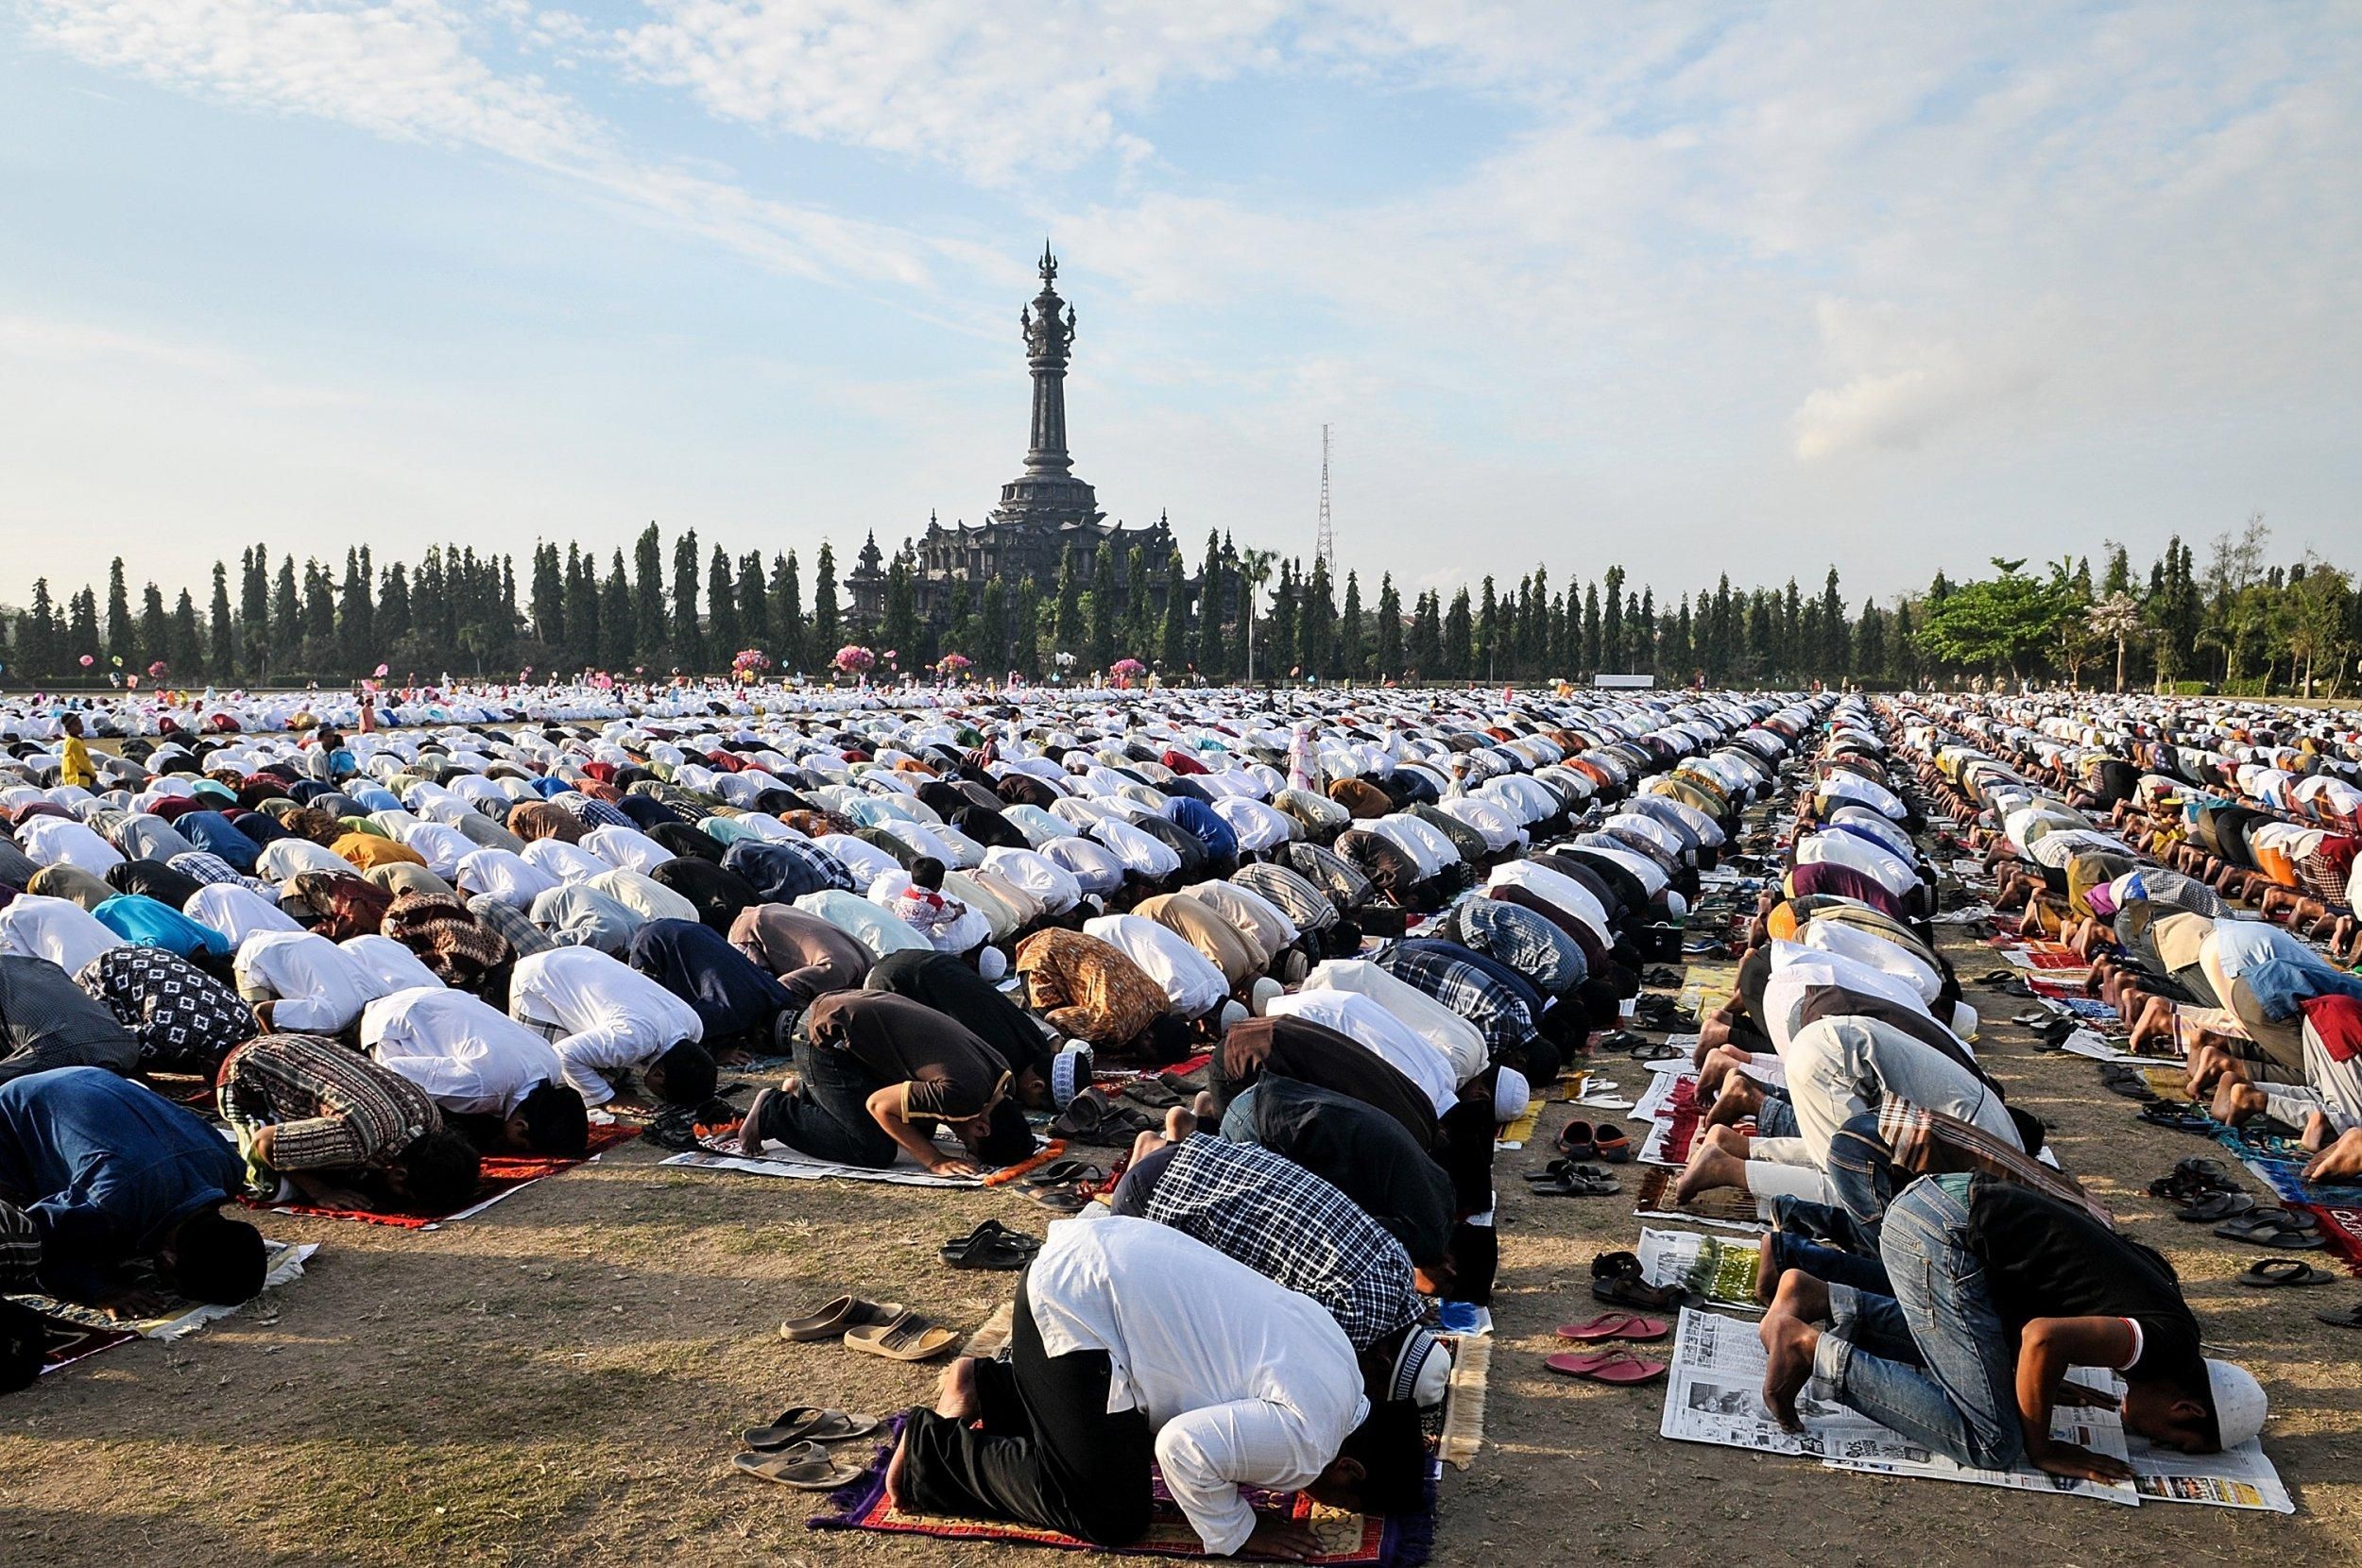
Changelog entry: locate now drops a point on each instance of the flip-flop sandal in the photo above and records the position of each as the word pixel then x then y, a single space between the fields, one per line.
pixel 2344 1317
pixel 2215 1206
pixel 806 1467
pixel 1649 1050
pixel 1064 1201
pixel 991 1246
pixel 1614 1145
pixel 2197 1171
pixel 909 1337
pixel 1615 1326
pixel 1996 977
pixel 2273 1272
pixel 1582 1181
pixel 1058 1173
pixel 809 1424
pixel 2123 1078
pixel 2179 1114
pixel 839 1314
pixel 2274 1230
pixel 1577 1140
pixel 1620 1368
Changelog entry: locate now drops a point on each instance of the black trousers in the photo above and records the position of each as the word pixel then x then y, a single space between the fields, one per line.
pixel 1044 1452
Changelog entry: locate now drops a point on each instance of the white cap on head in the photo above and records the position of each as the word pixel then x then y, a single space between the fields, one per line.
pixel 1070 1073
pixel 1512 1094
pixel 992 963
pixel 2239 1402
pixel 1266 992
pixel 1231 1016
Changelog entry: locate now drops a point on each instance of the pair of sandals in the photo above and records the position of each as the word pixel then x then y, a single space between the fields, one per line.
pixel 992 1247
pixel 886 1329
pixel 1066 1188
pixel 1637 1048
pixel 792 1450
pixel 2180 1116
pixel 1617 1279
pixel 1582 1140
pixel 2278 1230
pixel 2124 1078
pixel 1570 1178
pixel 1096 1117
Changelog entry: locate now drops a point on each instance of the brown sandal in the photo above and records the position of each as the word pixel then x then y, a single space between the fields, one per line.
pixel 839 1314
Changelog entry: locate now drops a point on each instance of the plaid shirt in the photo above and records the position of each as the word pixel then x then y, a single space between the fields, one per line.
pixel 334 1109
pixel 20 1251
pixel 203 865
pixel 1928 1143
pixel 1298 899
pixel 1290 1226
pixel 1520 939
pixel 1328 870
pixel 182 1018
pixel 1499 1014
pixel 593 813
pixel 509 924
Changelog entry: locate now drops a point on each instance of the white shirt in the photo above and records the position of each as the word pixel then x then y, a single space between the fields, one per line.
pixel 626 847
pixel 1135 851
pixel 649 900
pixel 441 848
pixel 1048 881
pixel 59 929
pixel 393 966
pixel 1796 969
pixel 317 986
pixel 873 926
pixel 1092 866
pixel 1368 1023
pixel 236 910
pixel 1188 977
pixel 1244 1382
pixel 54 840
pixel 281 860
pixel 613 1019
pixel 467 1056
pixel 568 863
pixel 504 876
pixel 1460 1043
pixel 1555 888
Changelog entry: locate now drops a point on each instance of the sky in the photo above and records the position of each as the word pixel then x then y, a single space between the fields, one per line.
pixel 1693 289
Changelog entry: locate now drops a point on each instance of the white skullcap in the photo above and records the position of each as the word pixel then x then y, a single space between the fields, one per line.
pixel 1512 1094
pixel 1266 992
pixel 1232 1015
pixel 992 963
pixel 2239 1402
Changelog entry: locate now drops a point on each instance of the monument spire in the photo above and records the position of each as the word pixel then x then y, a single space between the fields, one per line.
pixel 1048 327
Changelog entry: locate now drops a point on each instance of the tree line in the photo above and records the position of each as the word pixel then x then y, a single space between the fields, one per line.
pixel 2243 624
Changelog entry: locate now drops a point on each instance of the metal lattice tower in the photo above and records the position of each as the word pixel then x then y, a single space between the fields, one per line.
pixel 1325 550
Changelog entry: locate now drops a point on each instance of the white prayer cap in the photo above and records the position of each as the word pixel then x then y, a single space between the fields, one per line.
pixel 1266 992
pixel 1512 1094
pixel 1232 1015
pixel 2239 1402
pixel 992 963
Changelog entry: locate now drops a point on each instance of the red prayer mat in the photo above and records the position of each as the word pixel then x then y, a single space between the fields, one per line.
pixel 503 1174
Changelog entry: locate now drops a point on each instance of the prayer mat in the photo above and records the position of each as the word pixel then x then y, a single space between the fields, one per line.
pixel 1346 1538
pixel 1676 1126
pixel 1518 1133
pixel 503 1176
pixel 1728 1207
pixel 1463 1433
pixel 1720 1273
pixel 2278 1162
pixel 76 1332
pixel 778 1160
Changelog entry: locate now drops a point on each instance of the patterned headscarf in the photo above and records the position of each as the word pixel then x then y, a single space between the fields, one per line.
pixel 345 905
pixel 448 938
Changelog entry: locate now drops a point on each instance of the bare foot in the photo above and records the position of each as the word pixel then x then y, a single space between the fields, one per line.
pixel 750 1131
pixel 1739 1100
pixel 2236 1103
pixel 1709 1167
pixel 1180 1123
pixel 897 1469
pixel 1801 1295
pixel 1766 1272
pixel 1205 1106
pixel 955 1390
pixel 1789 1343
pixel 2340 1161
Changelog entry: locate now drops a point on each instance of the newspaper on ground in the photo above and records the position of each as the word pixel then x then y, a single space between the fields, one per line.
pixel 1719 1271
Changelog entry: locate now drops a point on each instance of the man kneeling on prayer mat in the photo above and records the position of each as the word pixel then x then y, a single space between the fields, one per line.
pixel 497 1082
pixel 315 1120
pixel 1130 1343
pixel 1994 1291
pixel 875 1072
pixel 98 1175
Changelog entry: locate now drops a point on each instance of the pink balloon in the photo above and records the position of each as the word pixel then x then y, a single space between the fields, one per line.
pixel 87 660
pixel 381 672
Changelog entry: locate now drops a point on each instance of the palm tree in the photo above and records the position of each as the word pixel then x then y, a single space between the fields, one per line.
pixel 1255 570
pixel 2117 619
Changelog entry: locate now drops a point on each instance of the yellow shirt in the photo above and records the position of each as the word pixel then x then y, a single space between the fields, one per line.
pixel 74 764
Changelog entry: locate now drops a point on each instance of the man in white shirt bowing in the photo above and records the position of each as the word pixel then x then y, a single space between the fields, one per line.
pixel 606 1019
pixel 1132 1341
pixel 493 1079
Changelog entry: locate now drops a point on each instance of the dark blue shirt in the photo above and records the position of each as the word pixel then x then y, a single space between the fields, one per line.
pixel 106 1168
pixel 697 963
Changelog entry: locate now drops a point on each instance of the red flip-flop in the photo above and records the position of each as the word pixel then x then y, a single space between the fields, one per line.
pixel 1618 1367
pixel 1615 1326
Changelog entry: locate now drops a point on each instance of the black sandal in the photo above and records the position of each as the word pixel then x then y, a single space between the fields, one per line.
pixel 1617 1279
pixel 2273 1272
pixel 1574 1181
pixel 991 1246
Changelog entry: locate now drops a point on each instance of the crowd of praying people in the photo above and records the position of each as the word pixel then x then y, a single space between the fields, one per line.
pixel 1385 920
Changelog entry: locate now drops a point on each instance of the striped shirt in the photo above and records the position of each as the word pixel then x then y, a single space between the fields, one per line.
pixel 1928 1143
pixel 333 1109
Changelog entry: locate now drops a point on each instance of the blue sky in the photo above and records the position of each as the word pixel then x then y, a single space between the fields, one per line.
pixel 1694 288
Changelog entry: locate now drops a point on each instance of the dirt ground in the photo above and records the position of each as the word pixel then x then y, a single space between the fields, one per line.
pixel 560 1381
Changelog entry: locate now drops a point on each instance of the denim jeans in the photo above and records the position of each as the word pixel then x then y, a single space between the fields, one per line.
pixel 1862 1173
pixel 1776 1116
pixel 1932 1362
pixel 828 1117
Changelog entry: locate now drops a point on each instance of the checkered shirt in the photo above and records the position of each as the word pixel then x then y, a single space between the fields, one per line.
pixel 1499 1015
pixel 1292 1227
pixel 1520 939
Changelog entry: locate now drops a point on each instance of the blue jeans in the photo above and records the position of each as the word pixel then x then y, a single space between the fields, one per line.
pixel 1861 1168
pixel 1932 1362
pixel 1775 1117
pixel 1238 1122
